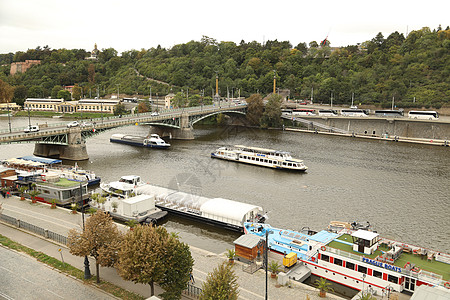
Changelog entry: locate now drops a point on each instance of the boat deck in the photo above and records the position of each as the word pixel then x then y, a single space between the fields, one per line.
pixel 419 261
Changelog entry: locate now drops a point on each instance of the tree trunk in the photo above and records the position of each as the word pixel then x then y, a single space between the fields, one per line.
pixel 152 289
pixel 97 266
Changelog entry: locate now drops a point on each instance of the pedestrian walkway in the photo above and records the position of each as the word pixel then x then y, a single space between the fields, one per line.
pixel 252 286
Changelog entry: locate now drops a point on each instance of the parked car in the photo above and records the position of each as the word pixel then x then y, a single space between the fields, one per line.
pixel 31 128
pixel 154 114
pixel 73 124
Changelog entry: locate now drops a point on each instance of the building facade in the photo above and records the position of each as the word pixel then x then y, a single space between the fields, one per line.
pixel 22 67
pixel 61 106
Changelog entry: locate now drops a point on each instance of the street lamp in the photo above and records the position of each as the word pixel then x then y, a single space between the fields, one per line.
pixel 9 117
pixel 29 120
pixel 266 255
pixel 87 271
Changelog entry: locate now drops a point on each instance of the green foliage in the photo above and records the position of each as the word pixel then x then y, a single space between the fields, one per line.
pixel 221 284
pixel 120 110
pixel 231 253
pixel 272 112
pixel 409 67
pixel 62 94
pixel 255 107
pixel 366 296
pixel 323 285
pixel 274 267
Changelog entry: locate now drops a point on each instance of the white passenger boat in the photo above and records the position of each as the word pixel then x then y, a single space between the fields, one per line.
pixel 125 187
pixel 260 157
pixel 361 259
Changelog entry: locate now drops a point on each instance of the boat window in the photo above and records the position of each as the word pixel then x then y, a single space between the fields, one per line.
pixel 338 261
pixel 46 191
pixel 377 274
pixel 65 194
pixel 284 163
pixel 325 257
pixel 392 279
pixel 350 265
pixel 362 269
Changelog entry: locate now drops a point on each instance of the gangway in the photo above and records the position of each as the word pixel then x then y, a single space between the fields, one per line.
pixel 299 273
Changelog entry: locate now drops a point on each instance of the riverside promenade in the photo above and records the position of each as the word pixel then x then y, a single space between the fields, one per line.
pixel 60 220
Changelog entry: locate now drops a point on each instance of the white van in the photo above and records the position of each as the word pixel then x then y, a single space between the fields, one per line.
pixel 31 128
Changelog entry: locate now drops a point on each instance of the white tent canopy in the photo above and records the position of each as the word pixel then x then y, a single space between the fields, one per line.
pixel 229 209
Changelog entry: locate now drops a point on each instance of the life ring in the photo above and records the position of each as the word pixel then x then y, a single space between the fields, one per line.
pixel 447 284
pixel 323 248
pixel 313 259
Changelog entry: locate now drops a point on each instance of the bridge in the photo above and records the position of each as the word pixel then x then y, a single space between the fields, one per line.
pixel 57 140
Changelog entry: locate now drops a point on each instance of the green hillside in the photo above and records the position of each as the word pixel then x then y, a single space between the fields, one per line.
pixel 415 70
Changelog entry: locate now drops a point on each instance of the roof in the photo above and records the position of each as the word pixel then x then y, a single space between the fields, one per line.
pixel 424 292
pixel 248 240
pixel 48 161
pixel 365 235
pixel 228 209
pixel 137 199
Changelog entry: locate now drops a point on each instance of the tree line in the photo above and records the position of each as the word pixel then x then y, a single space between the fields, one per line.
pixel 413 70
pixel 147 254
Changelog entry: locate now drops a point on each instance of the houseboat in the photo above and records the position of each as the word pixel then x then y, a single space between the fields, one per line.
pixel 52 187
pixel 360 259
pixel 139 208
pixel 220 212
pixel 153 141
pixel 274 159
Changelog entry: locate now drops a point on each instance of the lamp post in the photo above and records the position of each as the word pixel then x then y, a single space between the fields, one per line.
pixel 266 256
pixel 9 117
pixel 87 271
pixel 29 120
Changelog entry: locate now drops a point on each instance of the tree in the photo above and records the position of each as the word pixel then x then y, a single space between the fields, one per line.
pixel 143 107
pixel 62 94
pixel 221 284
pixel 91 72
pixel 255 108
pixel 141 256
pixel 76 92
pixel 120 110
pixel 55 90
pixel 100 239
pixel 178 264
pixel 6 92
pixel 20 94
pixel 272 112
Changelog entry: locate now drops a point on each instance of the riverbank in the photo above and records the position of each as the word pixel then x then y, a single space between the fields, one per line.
pixel 434 142
pixel 61 220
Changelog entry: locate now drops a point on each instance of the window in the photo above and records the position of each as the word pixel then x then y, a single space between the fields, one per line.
pixel 362 269
pixel 350 265
pixel 325 257
pixel 377 274
pixel 338 261
pixel 392 279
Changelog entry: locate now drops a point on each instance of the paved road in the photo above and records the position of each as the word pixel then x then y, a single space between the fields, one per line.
pixel 22 277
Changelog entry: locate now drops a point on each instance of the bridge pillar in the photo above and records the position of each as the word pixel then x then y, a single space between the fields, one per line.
pixel 75 150
pixel 182 133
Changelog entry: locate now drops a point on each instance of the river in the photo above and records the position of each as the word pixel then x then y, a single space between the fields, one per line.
pixel 402 189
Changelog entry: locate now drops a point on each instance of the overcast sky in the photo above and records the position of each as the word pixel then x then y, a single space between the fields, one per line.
pixel 131 24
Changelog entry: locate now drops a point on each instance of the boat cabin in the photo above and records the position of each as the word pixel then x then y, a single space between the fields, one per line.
pixel 365 241
pixel 131 179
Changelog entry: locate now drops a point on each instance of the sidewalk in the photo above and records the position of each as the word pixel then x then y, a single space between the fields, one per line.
pixel 252 286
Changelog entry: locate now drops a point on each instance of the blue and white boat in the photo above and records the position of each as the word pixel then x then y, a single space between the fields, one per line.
pixel 154 141
pixel 360 259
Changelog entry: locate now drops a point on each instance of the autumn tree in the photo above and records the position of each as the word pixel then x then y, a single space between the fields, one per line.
pixel 255 109
pixel 221 284
pixel 272 112
pixel 76 92
pixel 151 255
pixel 100 239
pixel 6 92
pixel 143 106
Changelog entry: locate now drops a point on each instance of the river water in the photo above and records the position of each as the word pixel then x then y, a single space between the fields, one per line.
pixel 402 189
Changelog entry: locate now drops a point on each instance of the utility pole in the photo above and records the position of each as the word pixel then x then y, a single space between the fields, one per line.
pixel 274 81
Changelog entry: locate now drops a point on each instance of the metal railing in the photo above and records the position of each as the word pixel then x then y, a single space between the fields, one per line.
pixel 35 229
pixel 192 291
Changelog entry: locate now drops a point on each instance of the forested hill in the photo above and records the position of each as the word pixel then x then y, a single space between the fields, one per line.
pixel 415 70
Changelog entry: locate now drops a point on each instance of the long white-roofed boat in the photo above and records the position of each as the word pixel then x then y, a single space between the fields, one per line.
pixel 261 157
pixel 220 212
pixel 361 259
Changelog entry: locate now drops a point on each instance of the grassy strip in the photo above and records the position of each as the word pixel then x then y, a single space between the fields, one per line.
pixel 70 270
